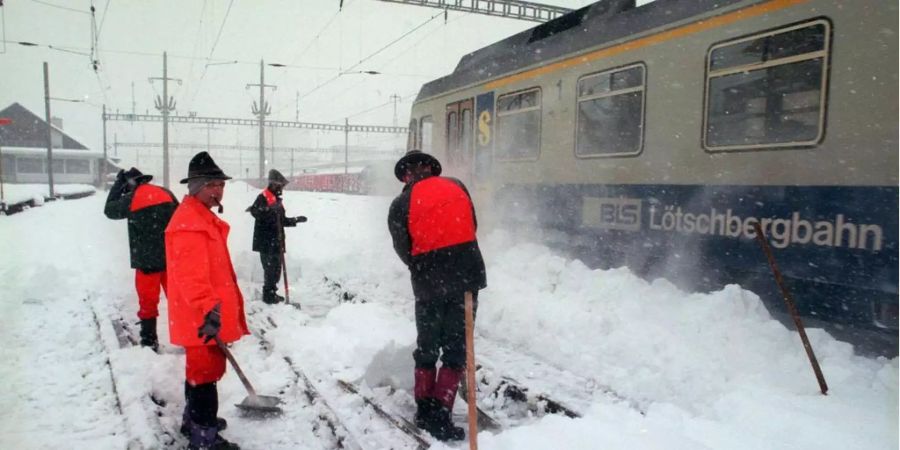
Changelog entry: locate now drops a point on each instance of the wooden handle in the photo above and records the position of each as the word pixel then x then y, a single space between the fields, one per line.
pixel 761 238
pixel 237 368
pixel 470 372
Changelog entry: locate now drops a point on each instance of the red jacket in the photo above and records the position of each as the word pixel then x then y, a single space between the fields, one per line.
pixel 200 275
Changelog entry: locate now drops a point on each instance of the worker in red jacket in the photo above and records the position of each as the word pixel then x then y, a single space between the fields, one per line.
pixel 432 223
pixel 205 302
pixel 148 209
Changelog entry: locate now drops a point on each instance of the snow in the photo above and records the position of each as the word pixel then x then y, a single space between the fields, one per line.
pixel 17 193
pixel 654 367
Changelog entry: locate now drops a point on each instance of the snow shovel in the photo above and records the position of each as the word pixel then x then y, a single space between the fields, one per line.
pixel 254 404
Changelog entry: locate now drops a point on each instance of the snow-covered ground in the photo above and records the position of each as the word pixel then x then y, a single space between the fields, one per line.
pixel 648 366
pixel 17 193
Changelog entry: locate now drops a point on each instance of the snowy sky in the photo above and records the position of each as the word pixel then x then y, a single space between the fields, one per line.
pixel 310 35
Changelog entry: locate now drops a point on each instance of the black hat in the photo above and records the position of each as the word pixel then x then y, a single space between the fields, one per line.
pixel 136 175
pixel 276 177
pixel 416 157
pixel 203 166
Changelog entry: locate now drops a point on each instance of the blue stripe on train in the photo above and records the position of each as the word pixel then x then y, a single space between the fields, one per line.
pixel 836 246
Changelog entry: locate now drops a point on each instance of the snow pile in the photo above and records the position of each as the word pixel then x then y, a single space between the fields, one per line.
pixel 708 370
pixel 18 193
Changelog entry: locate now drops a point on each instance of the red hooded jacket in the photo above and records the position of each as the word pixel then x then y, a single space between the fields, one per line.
pixel 200 275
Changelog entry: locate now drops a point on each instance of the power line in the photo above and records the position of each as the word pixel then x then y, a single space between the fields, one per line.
pixel 369 57
pixel 211 51
pixel 53 5
pixel 103 20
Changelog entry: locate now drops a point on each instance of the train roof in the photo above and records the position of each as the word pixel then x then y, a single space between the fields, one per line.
pixel 591 26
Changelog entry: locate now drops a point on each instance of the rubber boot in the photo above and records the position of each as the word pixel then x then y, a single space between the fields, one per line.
pixel 221 423
pixel 204 429
pixel 270 296
pixel 445 394
pixel 424 379
pixel 148 334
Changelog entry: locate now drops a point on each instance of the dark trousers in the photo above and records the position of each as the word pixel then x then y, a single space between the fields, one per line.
pixel 271 263
pixel 441 329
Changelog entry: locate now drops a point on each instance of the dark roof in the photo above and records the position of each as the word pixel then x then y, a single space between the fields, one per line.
pixel 29 130
pixel 579 30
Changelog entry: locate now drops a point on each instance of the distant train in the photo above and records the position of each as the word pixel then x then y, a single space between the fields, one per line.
pixel 358 177
pixel 657 136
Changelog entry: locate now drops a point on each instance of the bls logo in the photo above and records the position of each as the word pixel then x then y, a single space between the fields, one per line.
pixel 612 213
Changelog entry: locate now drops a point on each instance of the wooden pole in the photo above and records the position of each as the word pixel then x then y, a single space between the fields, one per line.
pixel 761 237
pixel 470 372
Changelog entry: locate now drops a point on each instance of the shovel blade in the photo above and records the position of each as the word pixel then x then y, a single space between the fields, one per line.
pixel 260 406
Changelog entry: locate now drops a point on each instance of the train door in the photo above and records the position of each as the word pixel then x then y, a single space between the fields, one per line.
pixel 460 139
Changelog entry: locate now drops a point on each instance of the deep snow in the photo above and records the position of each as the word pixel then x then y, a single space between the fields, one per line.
pixel 707 370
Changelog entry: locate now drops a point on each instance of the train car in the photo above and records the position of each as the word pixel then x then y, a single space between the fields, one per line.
pixel 656 136
pixel 362 177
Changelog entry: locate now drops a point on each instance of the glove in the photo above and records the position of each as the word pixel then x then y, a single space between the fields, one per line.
pixel 211 324
pixel 300 219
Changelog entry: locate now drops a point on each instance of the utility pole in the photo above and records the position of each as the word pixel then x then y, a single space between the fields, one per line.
pixel 292 162
pixel 165 105
pixel 49 128
pixel 395 98
pixel 261 111
pixel 346 150
pixel 116 144
pixel 133 103
pixel 102 167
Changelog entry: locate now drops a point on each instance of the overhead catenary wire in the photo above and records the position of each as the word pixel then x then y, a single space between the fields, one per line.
pixel 211 51
pixel 54 5
pixel 328 81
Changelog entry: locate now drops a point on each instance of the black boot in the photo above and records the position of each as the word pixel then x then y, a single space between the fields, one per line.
pixel 271 297
pixel 204 427
pixel 443 428
pixel 221 423
pixel 424 412
pixel 148 334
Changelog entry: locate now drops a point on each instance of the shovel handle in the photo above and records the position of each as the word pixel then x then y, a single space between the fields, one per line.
pixel 237 368
pixel 470 372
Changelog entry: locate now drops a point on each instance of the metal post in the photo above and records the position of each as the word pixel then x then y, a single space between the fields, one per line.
pixel 165 113
pixel 262 120
pixel 346 150
pixel 101 168
pixel 49 128
pixel 272 145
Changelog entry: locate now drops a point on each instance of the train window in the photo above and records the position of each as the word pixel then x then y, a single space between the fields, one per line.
pixel 58 165
pixel 610 112
pixel 30 165
pixel 78 166
pixel 452 136
pixel 411 138
pixel 768 90
pixel 519 125
pixel 425 129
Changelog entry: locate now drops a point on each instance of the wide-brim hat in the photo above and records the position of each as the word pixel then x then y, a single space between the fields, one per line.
pixel 136 175
pixel 203 166
pixel 414 158
pixel 276 177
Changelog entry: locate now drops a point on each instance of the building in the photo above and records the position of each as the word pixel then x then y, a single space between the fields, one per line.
pixel 23 146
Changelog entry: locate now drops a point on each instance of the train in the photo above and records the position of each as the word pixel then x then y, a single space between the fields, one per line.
pixel 369 177
pixel 658 136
